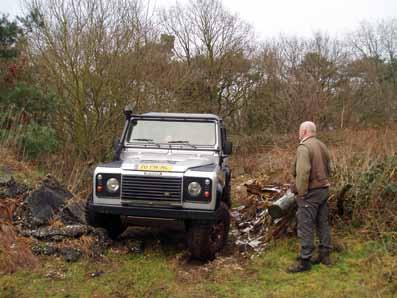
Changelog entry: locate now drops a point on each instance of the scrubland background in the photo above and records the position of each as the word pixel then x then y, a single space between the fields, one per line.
pixel 68 68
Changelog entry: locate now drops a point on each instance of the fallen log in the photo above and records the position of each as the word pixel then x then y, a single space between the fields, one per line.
pixel 282 206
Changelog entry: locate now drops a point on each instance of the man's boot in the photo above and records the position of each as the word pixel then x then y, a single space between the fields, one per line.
pixel 323 258
pixel 300 266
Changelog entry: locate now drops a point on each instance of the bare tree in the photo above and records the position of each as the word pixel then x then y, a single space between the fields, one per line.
pixel 373 70
pixel 215 44
pixel 88 50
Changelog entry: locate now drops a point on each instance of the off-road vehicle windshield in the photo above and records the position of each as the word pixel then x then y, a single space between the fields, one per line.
pixel 172 132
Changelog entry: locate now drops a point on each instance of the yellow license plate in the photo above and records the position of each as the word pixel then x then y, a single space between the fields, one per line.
pixel 155 168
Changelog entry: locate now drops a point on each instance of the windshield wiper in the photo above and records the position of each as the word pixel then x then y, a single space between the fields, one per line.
pixel 150 141
pixel 183 143
pixel 143 140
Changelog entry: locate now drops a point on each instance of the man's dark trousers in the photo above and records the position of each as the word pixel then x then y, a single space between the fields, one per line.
pixel 312 215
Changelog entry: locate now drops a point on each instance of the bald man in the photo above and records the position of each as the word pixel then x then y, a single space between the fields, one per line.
pixel 311 171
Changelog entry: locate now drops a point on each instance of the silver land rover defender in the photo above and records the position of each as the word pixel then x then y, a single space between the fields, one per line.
pixel 168 166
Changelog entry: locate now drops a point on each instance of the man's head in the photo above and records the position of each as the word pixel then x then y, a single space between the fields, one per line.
pixel 307 129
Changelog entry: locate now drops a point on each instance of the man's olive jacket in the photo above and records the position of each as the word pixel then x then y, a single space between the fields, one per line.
pixel 312 165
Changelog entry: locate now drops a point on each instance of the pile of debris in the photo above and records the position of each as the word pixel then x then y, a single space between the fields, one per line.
pixel 49 202
pixel 267 211
pixel 51 218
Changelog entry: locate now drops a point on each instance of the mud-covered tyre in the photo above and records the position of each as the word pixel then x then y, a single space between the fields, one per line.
pixel 228 195
pixel 205 240
pixel 112 223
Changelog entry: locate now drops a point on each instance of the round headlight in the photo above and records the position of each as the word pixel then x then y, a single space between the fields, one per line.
pixel 194 189
pixel 112 185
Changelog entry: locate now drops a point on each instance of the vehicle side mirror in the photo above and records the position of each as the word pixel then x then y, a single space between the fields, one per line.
pixel 228 148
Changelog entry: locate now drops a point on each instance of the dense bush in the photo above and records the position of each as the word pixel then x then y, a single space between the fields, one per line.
pixel 366 159
pixel 31 140
pixel 37 139
pixel 30 100
pixel 373 201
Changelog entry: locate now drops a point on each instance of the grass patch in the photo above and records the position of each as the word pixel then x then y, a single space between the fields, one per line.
pixel 358 272
pixel 364 269
pixel 123 276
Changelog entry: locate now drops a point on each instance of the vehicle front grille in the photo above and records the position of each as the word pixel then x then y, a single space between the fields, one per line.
pixel 151 188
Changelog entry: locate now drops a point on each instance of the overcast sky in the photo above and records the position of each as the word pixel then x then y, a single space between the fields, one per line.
pixel 295 17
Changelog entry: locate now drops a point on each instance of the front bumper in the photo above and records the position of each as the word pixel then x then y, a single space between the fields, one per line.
pixel 151 212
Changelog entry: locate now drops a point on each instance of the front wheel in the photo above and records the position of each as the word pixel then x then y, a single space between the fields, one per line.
pixel 205 240
pixel 110 222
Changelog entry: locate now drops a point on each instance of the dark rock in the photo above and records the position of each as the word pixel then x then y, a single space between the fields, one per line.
pixel 57 234
pixel 46 201
pixel 16 189
pixel 102 235
pixel 102 241
pixel 97 248
pixel 9 188
pixel 74 212
pixel 135 246
pixel 45 249
pixel 70 254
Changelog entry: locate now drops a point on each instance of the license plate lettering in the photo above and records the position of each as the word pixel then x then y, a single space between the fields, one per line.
pixel 155 168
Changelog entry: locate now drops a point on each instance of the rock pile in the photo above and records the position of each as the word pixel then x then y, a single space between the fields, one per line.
pixel 52 218
pixel 43 204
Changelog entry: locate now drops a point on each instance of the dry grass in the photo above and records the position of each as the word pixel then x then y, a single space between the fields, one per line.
pixel 10 160
pixel 11 129
pixel 75 174
pixel 367 160
pixel 55 222
pixel 364 158
pixel 351 150
pixel 8 208
pixel 73 171
pixel 84 244
pixel 14 251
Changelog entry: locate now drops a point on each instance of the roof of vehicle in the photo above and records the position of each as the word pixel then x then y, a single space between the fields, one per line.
pixel 182 115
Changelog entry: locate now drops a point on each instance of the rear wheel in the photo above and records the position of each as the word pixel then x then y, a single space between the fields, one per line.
pixel 112 223
pixel 205 240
